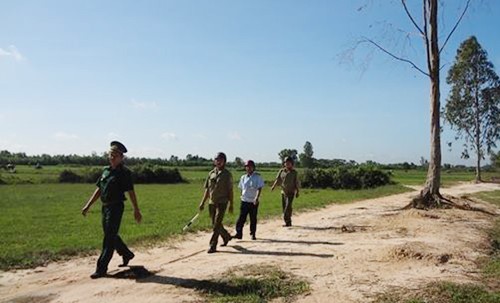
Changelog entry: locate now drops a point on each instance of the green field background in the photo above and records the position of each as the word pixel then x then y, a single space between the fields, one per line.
pixel 41 222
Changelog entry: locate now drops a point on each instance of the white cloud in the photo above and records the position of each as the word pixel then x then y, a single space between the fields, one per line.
pixel 62 136
pixel 143 104
pixel 11 52
pixel 234 136
pixel 169 136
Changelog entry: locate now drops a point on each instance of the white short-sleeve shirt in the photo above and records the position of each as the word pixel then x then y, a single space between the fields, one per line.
pixel 249 185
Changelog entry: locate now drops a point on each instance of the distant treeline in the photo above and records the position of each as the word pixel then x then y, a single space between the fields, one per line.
pixel 95 159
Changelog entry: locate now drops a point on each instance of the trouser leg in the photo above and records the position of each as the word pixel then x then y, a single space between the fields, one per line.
pixel 111 219
pixel 244 210
pixel 253 218
pixel 287 208
pixel 217 212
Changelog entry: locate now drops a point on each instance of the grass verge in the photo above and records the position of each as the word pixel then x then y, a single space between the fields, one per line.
pixel 254 284
pixel 487 290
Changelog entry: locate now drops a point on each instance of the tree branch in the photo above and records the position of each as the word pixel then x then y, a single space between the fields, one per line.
pixel 411 17
pixel 456 25
pixel 394 56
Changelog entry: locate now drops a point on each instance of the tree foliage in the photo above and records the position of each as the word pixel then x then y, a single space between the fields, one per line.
pixel 288 153
pixel 306 158
pixel 473 105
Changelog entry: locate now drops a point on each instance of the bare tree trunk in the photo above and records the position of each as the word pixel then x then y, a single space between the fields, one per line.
pixel 477 134
pixel 430 195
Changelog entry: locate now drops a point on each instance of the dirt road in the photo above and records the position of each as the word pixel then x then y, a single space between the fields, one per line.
pixel 378 248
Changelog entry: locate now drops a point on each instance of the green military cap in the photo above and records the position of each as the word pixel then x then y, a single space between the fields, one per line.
pixel 221 155
pixel 116 146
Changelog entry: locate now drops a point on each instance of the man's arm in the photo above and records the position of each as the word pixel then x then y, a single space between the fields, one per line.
pixel 206 194
pixel 137 212
pixel 93 198
pixel 278 179
pixel 231 195
pixel 297 186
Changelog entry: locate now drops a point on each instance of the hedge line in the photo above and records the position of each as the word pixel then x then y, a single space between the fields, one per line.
pixel 141 174
pixel 345 178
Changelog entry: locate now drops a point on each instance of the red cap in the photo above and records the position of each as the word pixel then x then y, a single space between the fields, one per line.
pixel 250 163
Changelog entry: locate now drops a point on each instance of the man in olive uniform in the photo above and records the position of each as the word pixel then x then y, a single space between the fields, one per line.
pixel 115 180
pixel 288 179
pixel 219 188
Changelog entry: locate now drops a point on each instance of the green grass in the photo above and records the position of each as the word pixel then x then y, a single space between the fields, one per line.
pixel 448 178
pixel 491 266
pixel 253 284
pixel 49 174
pixel 443 292
pixel 42 222
pixel 487 291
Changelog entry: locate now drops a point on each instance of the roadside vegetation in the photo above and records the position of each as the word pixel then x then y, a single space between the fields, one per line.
pixel 486 290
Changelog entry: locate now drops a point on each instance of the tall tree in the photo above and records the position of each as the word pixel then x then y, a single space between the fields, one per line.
pixel 428 30
pixel 288 153
pixel 473 106
pixel 495 159
pixel 238 162
pixel 306 158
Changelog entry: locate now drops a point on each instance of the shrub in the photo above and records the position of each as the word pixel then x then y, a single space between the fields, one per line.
pixel 155 174
pixel 68 176
pixel 343 177
pixel 141 174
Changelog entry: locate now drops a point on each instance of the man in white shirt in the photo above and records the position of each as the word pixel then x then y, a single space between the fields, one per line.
pixel 251 185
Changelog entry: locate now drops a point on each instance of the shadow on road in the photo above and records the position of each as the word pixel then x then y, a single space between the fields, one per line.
pixel 300 242
pixel 246 251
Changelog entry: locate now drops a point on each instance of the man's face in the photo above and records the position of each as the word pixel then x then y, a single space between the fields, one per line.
pixel 115 158
pixel 249 169
pixel 219 162
pixel 288 165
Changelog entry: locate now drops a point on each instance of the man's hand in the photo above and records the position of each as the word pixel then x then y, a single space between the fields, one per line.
pixel 137 215
pixel 297 194
pixel 256 202
pixel 202 206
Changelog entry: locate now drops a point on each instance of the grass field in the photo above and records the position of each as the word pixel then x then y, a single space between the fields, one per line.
pixel 41 220
pixel 49 174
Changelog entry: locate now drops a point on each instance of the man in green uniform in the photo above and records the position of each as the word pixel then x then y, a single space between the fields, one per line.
pixel 115 180
pixel 288 179
pixel 219 188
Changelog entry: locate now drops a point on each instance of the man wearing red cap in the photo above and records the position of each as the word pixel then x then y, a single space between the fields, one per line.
pixel 251 185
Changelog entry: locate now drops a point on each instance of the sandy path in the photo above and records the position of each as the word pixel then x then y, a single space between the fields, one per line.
pixel 385 248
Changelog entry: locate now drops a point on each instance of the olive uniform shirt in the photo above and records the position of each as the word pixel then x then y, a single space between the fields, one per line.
pixel 114 183
pixel 288 180
pixel 220 185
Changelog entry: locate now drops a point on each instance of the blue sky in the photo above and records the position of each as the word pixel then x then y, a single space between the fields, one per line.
pixel 245 77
